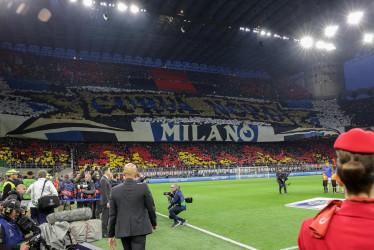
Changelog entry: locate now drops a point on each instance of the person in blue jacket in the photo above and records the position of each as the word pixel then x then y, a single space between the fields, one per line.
pixel 328 170
pixel 11 236
pixel 177 205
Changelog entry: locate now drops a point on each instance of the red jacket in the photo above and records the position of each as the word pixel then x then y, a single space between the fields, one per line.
pixel 351 227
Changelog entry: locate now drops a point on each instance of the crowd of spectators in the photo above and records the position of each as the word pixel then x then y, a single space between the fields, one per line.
pixel 36 153
pixel 82 72
pixel 105 104
pixel 359 110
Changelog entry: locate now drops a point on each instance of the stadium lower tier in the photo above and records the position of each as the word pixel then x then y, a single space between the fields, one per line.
pixel 31 153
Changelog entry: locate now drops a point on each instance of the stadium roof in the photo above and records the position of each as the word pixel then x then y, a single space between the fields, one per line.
pixel 212 32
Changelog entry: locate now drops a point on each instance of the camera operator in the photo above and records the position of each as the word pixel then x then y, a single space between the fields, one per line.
pixel 10 235
pixel 282 177
pixel 87 189
pixel 177 205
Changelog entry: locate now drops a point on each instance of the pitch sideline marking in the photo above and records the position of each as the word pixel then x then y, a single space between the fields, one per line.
pixel 296 247
pixel 215 235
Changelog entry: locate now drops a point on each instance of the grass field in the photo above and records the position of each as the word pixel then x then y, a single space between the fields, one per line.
pixel 247 211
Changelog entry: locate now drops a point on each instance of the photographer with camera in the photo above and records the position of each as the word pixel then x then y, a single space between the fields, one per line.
pixel 87 190
pixel 177 205
pixel 10 235
pixel 282 177
pixel 66 192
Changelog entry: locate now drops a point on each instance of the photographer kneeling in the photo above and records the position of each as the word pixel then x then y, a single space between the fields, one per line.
pixel 10 234
pixel 177 205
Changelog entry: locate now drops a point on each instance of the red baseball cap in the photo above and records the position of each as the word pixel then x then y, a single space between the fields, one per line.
pixel 356 140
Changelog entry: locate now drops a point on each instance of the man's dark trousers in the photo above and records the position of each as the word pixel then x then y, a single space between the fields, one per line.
pixel 173 213
pixel 104 219
pixel 134 242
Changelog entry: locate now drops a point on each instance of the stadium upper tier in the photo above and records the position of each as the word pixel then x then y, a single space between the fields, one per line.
pixel 47 69
pixel 76 100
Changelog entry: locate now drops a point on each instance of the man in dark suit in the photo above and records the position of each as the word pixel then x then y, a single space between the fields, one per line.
pixel 105 190
pixel 132 212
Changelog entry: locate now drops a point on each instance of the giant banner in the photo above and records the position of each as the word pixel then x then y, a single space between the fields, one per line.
pixel 84 130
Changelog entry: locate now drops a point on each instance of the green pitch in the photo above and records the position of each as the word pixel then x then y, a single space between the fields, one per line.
pixel 248 211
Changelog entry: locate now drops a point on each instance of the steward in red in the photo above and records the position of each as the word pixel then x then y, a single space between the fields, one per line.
pixel 347 224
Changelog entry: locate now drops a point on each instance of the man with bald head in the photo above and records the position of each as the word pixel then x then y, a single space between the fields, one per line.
pixel 17 193
pixel 132 211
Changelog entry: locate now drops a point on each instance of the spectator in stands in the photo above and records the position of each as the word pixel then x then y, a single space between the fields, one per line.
pixel 11 183
pixel 347 224
pixel 27 182
pixel 105 191
pixel 132 211
pixel 177 205
pixel 36 191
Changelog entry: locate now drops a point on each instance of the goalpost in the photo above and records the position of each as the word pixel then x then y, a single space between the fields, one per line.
pixel 252 172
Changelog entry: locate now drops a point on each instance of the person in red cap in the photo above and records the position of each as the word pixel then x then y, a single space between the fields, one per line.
pixel 347 224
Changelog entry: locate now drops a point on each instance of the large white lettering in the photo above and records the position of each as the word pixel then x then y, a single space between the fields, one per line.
pixel 195 134
pixel 166 130
pixel 214 133
pixel 231 133
pixel 185 133
pixel 248 130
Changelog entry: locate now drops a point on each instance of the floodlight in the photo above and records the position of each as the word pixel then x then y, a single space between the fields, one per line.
pixel 121 6
pixel 263 32
pixel 241 28
pixel 87 2
pixel 330 31
pixel 368 38
pixel 355 17
pixel 247 29
pixel 306 42
pixel 329 46
pixel 320 45
pixel 268 34
pixel 134 8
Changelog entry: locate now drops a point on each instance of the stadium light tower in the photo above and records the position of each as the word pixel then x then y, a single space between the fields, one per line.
pixel 134 8
pixel 355 17
pixel 330 31
pixel 121 6
pixel 87 3
pixel 368 38
pixel 306 42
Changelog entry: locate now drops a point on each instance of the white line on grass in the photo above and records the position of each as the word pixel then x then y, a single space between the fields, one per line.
pixel 296 247
pixel 215 235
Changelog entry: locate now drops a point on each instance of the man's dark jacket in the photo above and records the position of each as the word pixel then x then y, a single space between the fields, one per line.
pixel 132 210
pixel 105 189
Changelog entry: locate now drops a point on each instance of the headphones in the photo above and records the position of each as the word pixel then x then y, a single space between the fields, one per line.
pixel 9 209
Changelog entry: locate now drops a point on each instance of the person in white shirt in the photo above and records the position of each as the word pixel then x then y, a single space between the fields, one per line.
pixel 35 191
